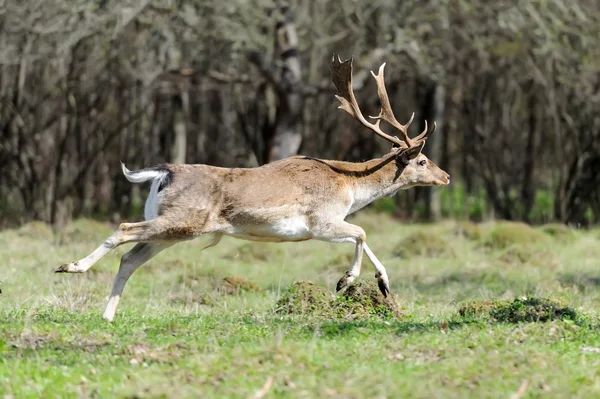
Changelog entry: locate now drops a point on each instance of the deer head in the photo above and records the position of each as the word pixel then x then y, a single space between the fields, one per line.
pixel 414 167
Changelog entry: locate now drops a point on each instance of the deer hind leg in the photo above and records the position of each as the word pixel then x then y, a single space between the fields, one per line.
pixel 156 230
pixel 130 262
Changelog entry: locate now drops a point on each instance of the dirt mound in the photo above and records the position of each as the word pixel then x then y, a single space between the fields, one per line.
pixel 360 300
pixel 528 309
pixel 423 244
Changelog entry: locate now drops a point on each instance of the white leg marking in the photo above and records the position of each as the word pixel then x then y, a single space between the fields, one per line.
pixel 380 272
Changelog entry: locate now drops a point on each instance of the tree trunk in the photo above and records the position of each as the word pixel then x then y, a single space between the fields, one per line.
pixel 433 110
pixel 288 135
pixel 528 187
pixel 180 129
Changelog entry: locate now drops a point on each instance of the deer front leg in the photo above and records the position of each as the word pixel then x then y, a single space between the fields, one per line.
pixel 346 232
pixel 354 271
pixel 380 274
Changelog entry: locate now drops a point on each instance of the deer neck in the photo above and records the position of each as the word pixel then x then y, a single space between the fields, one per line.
pixel 379 178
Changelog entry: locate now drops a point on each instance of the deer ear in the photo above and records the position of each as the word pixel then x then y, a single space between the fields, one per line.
pixel 412 152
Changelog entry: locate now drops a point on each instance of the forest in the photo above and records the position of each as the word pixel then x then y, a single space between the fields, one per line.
pixel 514 88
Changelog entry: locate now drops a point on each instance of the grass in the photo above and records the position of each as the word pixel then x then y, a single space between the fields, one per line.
pixel 205 324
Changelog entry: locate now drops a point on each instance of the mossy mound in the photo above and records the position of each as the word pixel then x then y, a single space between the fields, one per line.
pixel 519 243
pixel 360 300
pixel 304 298
pixel 507 234
pixel 36 230
pixel 235 285
pixel 469 230
pixel 559 232
pixel 363 299
pixel 528 309
pixel 532 309
pixel 423 244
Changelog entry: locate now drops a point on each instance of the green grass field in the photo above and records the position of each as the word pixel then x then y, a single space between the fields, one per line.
pixel 180 332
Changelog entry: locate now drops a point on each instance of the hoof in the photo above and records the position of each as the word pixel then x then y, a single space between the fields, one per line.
pixel 383 287
pixel 108 318
pixel 68 268
pixel 341 284
pixel 63 268
pixel 344 281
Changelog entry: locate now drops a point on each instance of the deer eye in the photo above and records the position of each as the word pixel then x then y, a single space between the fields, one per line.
pixel 422 162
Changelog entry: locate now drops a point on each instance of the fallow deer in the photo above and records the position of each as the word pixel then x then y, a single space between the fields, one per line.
pixel 294 199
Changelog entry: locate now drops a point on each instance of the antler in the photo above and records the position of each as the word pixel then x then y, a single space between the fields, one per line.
pixel 341 74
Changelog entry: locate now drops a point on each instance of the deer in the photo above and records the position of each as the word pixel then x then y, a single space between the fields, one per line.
pixel 290 200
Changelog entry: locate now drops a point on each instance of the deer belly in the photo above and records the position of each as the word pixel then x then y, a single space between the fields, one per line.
pixel 287 229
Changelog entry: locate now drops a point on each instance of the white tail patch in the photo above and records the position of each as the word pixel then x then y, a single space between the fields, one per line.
pixel 144 175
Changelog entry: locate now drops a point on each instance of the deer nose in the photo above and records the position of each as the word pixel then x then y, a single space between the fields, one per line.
pixel 447 178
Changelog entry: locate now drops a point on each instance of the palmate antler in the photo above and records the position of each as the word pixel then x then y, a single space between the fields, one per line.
pixel 341 75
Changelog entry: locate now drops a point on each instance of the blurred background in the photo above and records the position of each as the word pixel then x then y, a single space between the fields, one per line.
pixel 514 87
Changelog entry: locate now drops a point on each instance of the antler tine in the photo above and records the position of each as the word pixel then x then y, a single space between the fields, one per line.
pixel 341 75
pixel 424 135
pixel 386 113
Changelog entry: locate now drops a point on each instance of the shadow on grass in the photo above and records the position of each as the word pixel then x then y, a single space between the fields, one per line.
pixel 366 327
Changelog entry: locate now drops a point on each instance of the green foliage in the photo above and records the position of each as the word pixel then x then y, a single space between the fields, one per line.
pixel 543 207
pixel 458 204
pixel 385 205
